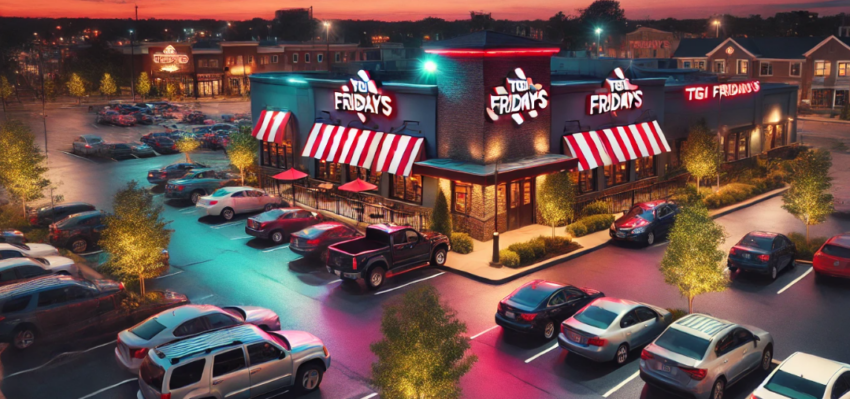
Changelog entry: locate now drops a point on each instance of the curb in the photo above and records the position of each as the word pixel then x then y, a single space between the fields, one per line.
pixel 824 120
pixel 749 204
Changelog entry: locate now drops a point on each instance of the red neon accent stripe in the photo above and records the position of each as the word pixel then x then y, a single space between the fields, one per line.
pixel 281 130
pixel 405 159
pixel 577 152
pixel 646 142
pixel 365 153
pixel 496 53
pixel 318 142
pixel 259 123
pixel 353 149
pixel 657 137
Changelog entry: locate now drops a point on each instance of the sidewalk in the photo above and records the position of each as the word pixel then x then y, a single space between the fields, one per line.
pixel 821 119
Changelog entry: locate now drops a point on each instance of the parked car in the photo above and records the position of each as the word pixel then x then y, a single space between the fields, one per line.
pixel 115 150
pixel 277 225
pixel 26 251
pixel 539 307
pixel 87 144
pixel 220 140
pixel 314 240
pixel 47 215
pixel 141 150
pixel 802 375
pixel 195 117
pixel 105 115
pixel 197 183
pixel 65 307
pixel 277 361
pixel 700 356
pixel 645 222
pixel 12 236
pixel 15 270
pixel 173 171
pixel 833 258
pixel 164 145
pixel 609 329
pixel 762 252
pixel 119 119
pixel 227 202
pixel 79 232
pixel 187 320
pixel 151 137
pixel 385 251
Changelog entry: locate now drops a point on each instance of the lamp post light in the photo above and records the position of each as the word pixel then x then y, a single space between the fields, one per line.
pixel 132 71
pixel 716 28
pixel 327 43
pixel 598 32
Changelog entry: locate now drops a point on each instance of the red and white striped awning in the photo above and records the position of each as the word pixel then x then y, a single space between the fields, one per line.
pixel 377 151
pixel 620 144
pixel 270 126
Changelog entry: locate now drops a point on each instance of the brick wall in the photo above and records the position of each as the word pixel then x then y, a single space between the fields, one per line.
pixel 460 105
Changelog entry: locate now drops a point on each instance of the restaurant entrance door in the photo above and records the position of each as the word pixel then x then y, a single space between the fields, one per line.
pixel 520 203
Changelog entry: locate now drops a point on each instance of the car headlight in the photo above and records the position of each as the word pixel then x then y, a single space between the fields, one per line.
pixel 639 230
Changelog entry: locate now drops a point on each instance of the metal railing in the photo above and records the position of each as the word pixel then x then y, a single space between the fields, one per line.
pixel 366 209
pixel 624 200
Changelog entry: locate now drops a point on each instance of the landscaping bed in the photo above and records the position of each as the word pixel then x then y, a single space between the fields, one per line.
pixel 536 250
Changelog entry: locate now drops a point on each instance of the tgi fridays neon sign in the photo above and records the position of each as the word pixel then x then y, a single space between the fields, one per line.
pixel 693 93
pixel 617 93
pixel 169 56
pixel 363 97
pixel 519 96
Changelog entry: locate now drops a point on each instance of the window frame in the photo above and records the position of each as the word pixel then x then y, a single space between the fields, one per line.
pixel 791 69
pixel 275 59
pixel 632 313
pixel 746 69
pixel 640 174
pixel 616 171
pixel 686 64
pixel 251 362
pixel 244 362
pixel 337 57
pixel 825 70
pixel 769 67
pixel 202 361
pixel 407 180
pixel 307 58
pixel 320 58
pixel 717 62
pixel 466 206
pixel 294 58
pixel 846 65
pixel 323 173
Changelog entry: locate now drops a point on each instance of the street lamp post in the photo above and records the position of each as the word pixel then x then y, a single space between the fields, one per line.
pixel 328 44
pixel 598 32
pixel 716 28
pixel 132 71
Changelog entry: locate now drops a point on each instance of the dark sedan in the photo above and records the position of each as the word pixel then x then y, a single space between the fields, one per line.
pixel 762 252
pixel 277 224
pixel 46 215
pixel 173 171
pixel 539 307
pixel 115 150
pixel 79 232
pixel 314 240
pixel 645 222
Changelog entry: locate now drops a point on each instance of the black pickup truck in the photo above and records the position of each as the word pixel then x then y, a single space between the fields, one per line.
pixel 386 251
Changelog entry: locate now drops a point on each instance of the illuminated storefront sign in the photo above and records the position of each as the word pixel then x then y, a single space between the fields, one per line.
pixel 519 95
pixel 169 56
pixel 705 92
pixel 617 93
pixel 363 96
pixel 650 44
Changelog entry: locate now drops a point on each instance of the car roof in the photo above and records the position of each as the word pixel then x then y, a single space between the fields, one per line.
pixel 91 136
pixel 389 228
pixel 702 325
pixel 174 317
pixel 841 240
pixel 614 304
pixel 651 204
pixel 67 204
pixel 36 285
pixel 85 214
pixel 811 367
pixel 202 343
pixel 765 234
pixel 239 188
pixel 544 286
pixel 15 262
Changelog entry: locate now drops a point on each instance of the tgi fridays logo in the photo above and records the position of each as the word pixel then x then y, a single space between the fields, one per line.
pixel 169 56
pixel 617 93
pixel 721 90
pixel 363 97
pixel 519 95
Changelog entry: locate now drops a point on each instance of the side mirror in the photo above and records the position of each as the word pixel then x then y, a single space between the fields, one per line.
pixel 282 355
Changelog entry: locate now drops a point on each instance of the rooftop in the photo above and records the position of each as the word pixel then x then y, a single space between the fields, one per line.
pixel 488 40
pixel 762 47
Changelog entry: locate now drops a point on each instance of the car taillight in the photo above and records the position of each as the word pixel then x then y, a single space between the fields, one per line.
pixel 753 396
pixel 174 146
pixel 764 258
pixel 646 355
pixel 2 318
pixel 499 308
pixel 597 342
pixel 164 174
pixel 88 146
pixel 313 242
pixel 354 263
pixel 34 219
pixel 165 395
pixel 121 286
pixel 213 202
pixel 733 251
pixel 140 353
pixel 696 374
pixel 180 188
pixel 563 329
pixel 527 316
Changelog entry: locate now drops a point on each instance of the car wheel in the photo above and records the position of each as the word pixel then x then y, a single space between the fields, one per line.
pixel 23 337
pixel 439 257
pixel 650 239
pixel 549 329
pixel 733 269
pixel 309 377
pixel 766 358
pixel 376 278
pixel 773 272
pixel 79 245
pixel 196 195
pixel 793 263
pixel 622 354
pixel 227 214
pixel 268 207
pixel 277 236
pixel 718 389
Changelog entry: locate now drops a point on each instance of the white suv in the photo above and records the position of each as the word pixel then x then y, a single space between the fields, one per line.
pixel 802 375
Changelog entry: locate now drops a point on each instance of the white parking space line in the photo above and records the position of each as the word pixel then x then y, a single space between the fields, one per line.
pixel 370 396
pixel 168 275
pixel 412 282
pixel 280 394
pixel 201 298
pixel 335 281
pixel 189 210
pixel 95 393
pixel 277 248
pixel 482 332
pixel 76 156
pixel 795 281
pixel 622 384
pixel 91 253
pixel 57 357
pixel 94 126
pixel 240 238
pixel 542 353
pixel 221 226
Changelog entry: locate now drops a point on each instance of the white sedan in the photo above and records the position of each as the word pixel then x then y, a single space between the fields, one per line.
pixel 27 250
pixel 173 324
pixel 227 202
pixel 802 375
pixel 14 269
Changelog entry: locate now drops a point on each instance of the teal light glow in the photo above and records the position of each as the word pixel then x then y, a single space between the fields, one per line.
pixel 430 66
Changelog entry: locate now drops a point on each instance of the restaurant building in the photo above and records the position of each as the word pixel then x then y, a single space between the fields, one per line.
pixel 487 124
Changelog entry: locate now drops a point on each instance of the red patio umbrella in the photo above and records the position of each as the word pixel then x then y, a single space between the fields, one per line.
pixel 290 175
pixel 357 186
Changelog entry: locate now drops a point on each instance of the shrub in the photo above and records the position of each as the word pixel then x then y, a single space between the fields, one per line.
pixel 597 222
pixel 730 194
pixel 441 218
pixel 677 313
pixel 554 244
pixel 576 229
pixel 806 250
pixel 461 243
pixel 595 208
pixel 525 252
pixel 538 246
pixel 508 258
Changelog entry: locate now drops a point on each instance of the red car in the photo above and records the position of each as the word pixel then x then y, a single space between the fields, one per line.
pixel 277 224
pixel 314 240
pixel 833 258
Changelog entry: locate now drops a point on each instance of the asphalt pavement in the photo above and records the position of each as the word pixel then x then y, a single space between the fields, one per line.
pixel 215 262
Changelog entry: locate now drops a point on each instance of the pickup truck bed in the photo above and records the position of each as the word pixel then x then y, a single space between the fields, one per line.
pixel 359 246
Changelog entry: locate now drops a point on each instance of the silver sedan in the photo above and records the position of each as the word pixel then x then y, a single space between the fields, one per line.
pixel 609 328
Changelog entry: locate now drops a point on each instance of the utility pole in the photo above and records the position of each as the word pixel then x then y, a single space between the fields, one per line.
pixel 328 44
pixel 133 57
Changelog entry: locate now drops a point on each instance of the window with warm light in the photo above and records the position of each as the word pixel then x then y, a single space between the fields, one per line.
pixel 766 69
pixel 686 64
pixel 328 171
pixel 406 188
pixel 461 197
pixel 743 67
pixel 367 175
pixel 213 63
pixel 265 60
pixel 276 155
pixel 616 174
pixel 645 167
pixel 585 181
pixel 822 68
pixel 844 68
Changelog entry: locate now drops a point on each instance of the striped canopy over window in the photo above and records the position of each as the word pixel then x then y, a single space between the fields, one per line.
pixel 377 151
pixel 616 145
pixel 270 126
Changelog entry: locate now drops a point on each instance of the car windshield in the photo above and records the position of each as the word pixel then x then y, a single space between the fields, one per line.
pixel 683 343
pixel 757 241
pixel 68 221
pixel 121 146
pixel 152 373
pixel 222 193
pixel 638 212
pixel 835 250
pixel 148 329
pixel 596 317
pixel 794 387
pixel 531 297
pixel 95 140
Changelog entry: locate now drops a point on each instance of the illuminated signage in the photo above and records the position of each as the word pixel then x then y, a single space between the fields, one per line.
pixel 169 56
pixel 519 95
pixel 363 96
pixel 730 50
pixel 653 44
pixel 617 93
pixel 719 90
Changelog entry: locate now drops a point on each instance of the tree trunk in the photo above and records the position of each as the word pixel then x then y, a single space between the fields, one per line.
pixel 553 229
pixel 141 285
pixel 690 304
pixel 807 232
pixel 24 203
pixel 242 172
pixel 188 160
pixel 697 185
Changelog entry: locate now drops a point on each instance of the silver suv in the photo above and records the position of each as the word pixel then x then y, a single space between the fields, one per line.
pixel 236 363
pixel 699 356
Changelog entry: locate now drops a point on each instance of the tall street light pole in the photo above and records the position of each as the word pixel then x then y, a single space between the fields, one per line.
pixel 598 32
pixel 716 28
pixel 132 60
pixel 328 44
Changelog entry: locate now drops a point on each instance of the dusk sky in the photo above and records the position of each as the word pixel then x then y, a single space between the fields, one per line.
pixel 394 10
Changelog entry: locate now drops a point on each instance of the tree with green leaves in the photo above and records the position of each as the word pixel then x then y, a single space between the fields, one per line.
pixel 6 92
pixel 441 217
pixel 49 89
pixel 135 235
pixel 809 199
pixel 23 168
pixel 423 352
pixel 143 85
pixel 171 91
pixel 700 155
pixel 693 262
pixel 242 150
pixel 187 144
pixel 76 87
pixel 107 85
pixel 556 199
